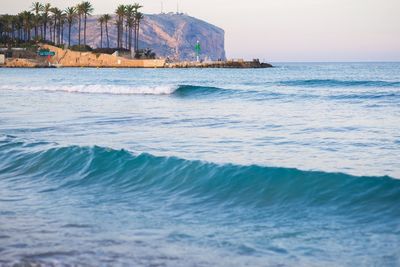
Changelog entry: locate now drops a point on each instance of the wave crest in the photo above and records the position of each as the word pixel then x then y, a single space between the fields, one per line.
pixel 100 89
pixel 178 90
pixel 77 168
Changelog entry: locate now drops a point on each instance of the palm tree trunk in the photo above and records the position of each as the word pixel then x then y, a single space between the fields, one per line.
pixel 130 38
pixel 134 37
pixel 59 32
pixel 137 37
pixel 79 39
pixel 101 35
pixel 69 34
pixel 54 30
pixel 84 30
pixel 62 33
pixel 121 36
pixel 126 36
pixel 45 30
pixel 117 35
pixel 108 41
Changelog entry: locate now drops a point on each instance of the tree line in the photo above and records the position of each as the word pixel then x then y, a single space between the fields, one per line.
pixel 45 23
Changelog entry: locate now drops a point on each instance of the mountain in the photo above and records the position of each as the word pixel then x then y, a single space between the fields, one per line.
pixel 168 35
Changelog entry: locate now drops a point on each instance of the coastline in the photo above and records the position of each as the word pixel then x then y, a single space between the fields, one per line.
pixel 68 58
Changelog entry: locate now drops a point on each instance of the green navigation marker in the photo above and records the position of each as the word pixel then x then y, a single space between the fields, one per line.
pixel 198 50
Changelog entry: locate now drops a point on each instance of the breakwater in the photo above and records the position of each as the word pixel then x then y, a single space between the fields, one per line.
pixel 239 64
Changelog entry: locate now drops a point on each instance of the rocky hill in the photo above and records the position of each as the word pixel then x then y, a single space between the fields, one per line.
pixel 168 35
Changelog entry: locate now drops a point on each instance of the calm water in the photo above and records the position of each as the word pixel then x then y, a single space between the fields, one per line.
pixel 298 165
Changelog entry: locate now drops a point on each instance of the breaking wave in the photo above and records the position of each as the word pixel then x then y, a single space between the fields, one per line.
pixel 101 89
pixel 203 183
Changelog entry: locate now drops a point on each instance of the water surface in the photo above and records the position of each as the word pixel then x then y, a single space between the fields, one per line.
pixel 295 165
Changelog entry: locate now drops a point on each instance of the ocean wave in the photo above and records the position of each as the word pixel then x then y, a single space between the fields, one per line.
pixel 366 96
pixel 178 90
pixel 99 89
pixel 187 91
pixel 204 183
pixel 194 90
pixel 337 83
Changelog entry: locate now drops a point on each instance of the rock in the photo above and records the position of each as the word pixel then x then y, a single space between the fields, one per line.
pixel 168 35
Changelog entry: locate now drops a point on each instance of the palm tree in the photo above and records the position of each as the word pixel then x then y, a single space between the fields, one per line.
pixel 14 23
pixel 7 26
pixel 54 24
pixel 120 12
pixel 106 18
pixel 27 24
pixel 2 27
pixel 70 13
pixel 126 27
pixel 130 17
pixel 101 21
pixel 46 11
pixel 50 21
pixel 80 11
pixel 17 26
pixel 130 22
pixel 40 25
pixel 87 9
pixel 60 24
pixel 57 14
pixel 37 8
pixel 63 18
pixel 138 17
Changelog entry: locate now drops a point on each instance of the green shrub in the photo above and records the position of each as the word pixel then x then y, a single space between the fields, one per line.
pixel 81 48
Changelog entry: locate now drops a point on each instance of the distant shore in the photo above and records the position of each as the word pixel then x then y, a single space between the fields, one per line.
pixel 69 58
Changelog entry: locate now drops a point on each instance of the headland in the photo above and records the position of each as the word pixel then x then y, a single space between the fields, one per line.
pixel 46 36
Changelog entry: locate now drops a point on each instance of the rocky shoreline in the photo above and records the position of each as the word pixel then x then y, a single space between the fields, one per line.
pixel 230 64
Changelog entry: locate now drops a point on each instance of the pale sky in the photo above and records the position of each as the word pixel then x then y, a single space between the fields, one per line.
pixel 283 30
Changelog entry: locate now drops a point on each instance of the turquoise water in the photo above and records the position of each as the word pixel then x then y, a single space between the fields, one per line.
pixel 292 166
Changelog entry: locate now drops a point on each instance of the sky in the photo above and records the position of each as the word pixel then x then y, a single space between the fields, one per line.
pixel 283 30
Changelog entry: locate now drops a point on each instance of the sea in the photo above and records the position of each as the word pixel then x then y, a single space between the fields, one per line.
pixel 296 165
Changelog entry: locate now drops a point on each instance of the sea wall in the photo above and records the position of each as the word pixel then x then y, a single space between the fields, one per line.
pixel 24 63
pixel 68 58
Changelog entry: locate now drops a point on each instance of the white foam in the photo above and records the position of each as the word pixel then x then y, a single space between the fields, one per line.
pixel 99 89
